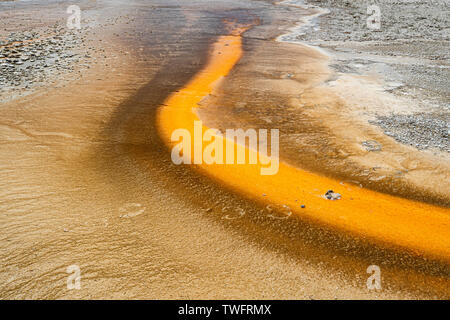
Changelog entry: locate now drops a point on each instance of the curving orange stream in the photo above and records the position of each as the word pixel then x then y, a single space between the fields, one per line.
pixel 392 221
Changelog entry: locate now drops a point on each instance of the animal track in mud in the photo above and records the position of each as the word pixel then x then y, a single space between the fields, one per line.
pixel 238 213
pixel 282 213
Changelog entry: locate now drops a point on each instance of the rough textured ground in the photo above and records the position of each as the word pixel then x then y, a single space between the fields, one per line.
pixel 42 52
pixel 86 181
pixel 409 52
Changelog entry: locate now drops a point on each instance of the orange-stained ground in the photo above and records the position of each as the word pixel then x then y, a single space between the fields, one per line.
pixel 391 221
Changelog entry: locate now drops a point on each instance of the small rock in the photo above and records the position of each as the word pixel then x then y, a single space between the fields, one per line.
pixel 331 195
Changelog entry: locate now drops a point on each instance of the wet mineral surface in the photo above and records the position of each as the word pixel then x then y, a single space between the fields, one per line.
pixel 86 181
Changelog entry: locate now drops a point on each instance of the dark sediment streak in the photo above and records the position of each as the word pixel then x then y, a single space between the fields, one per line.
pixel 140 145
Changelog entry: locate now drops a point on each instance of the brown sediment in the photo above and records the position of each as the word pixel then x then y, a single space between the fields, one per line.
pixel 86 180
pixel 394 221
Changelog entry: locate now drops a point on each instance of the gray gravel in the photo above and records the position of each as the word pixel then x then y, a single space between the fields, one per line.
pixel 410 51
pixel 422 131
pixel 31 59
pixel 400 19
